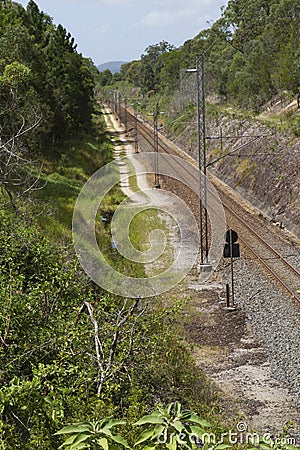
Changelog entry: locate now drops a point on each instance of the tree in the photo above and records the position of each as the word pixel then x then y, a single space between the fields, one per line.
pixel 16 168
pixel 61 86
pixel 122 330
pixel 283 29
pixel 243 22
pixel 104 78
pixel 170 71
pixel 131 72
pixel 151 65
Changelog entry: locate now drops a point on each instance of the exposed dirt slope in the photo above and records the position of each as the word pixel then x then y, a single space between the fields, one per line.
pixel 260 158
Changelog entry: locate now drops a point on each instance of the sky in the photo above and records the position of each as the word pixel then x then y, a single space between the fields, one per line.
pixel 121 30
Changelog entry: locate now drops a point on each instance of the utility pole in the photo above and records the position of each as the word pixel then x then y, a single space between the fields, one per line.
pixel 119 106
pixel 203 135
pixel 201 132
pixel 125 113
pixel 135 122
pixel 136 142
pixel 155 128
pixel 231 250
pixel 115 102
pixel 155 144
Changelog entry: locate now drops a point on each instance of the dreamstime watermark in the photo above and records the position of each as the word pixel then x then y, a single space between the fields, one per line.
pixel 240 436
pixel 186 251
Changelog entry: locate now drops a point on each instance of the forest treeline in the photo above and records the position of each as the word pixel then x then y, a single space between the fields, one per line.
pixel 47 96
pixel 251 54
pixel 43 79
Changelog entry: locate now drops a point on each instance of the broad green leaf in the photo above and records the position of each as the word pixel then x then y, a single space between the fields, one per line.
pixel 196 419
pixel 70 440
pixel 292 447
pixel 120 440
pixel 103 442
pixel 177 409
pixel 156 412
pixel 172 445
pixel 186 415
pixel 106 432
pixel 197 431
pixel 151 418
pixel 223 446
pixel 169 407
pixel 150 447
pixel 100 423
pixel 82 437
pixel 73 441
pixel 75 429
pixel 158 430
pixel 178 426
pixel 80 446
pixel 113 423
pixel 144 436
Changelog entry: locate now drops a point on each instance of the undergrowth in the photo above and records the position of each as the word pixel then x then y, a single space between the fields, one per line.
pixel 50 369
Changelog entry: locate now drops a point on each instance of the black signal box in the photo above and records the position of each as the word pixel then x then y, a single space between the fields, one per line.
pixel 235 251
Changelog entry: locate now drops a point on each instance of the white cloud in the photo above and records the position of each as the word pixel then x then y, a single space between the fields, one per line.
pixel 176 12
pixel 167 18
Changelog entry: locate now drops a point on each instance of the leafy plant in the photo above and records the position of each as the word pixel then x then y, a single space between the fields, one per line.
pixel 84 435
pixel 175 428
pixel 169 428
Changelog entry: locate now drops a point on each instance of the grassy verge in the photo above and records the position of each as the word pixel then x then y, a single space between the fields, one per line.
pixel 63 180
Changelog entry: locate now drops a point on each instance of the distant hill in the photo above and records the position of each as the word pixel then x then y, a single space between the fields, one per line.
pixel 113 66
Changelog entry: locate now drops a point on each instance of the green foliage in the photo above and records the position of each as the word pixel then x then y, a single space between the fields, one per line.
pixel 85 434
pixel 151 66
pixel 49 371
pixel 15 74
pixel 105 77
pixel 170 427
pixel 173 427
pixel 271 444
pixel 36 54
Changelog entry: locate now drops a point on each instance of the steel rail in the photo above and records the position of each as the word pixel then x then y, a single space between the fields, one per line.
pixel 148 135
pixel 271 271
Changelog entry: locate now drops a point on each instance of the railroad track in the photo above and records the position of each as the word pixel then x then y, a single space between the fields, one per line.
pixel 257 242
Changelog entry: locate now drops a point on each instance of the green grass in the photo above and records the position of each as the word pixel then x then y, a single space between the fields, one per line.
pixel 284 122
pixel 58 198
pixel 140 228
pixel 132 179
pixel 136 230
pixel 63 183
pixel 64 179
